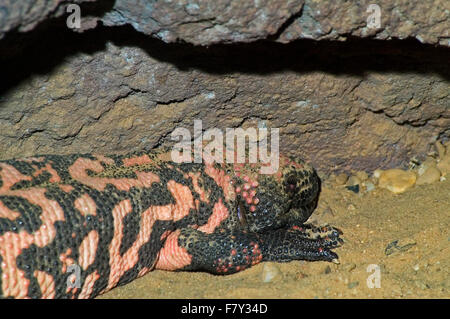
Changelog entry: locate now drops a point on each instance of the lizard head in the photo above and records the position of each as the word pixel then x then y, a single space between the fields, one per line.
pixel 270 201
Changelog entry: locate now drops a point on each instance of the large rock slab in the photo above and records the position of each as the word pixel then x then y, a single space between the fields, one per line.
pixel 205 22
pixel 335 105
pixel 426 21
pixel 340 98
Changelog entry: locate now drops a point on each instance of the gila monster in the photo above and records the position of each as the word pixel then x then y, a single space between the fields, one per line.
pixel 76 226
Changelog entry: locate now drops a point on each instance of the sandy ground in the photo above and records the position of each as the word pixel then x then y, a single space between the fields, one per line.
pixel 417 267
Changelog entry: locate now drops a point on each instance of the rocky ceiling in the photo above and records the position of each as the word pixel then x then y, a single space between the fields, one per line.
pixel 350 84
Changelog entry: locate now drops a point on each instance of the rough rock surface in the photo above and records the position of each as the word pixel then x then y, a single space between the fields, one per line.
pixel 426 21
pixel 26 15
pixel 358 104
pixel 204 22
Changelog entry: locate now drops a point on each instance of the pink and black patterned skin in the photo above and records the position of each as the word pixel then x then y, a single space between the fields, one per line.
pixel 115 218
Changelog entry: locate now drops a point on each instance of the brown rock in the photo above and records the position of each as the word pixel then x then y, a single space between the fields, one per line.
pixel 26 15
pixel 428 163
pixel 341 179
pixel 396 180
pixel 363 176
pixel 204 22
pixel 444 165
pixel 353 180
pixel 429 176
pixel 369 185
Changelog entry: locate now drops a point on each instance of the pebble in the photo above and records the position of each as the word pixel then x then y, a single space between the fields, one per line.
pixel 353 180
pixel 353 188
pixel 429 176
pixel 444 165
pixel 327 270
pixel 363 176
pixel 429 162
pixel 377 173
pixel 270 272
pixel 341 179
pixel 369 186
pixel 396 180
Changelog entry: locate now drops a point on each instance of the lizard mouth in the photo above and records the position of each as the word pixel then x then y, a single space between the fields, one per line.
pixel 241 211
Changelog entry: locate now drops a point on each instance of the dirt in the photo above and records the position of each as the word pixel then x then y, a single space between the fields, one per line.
pixel 416 266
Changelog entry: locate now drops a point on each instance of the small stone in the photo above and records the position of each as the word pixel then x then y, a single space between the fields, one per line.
pixel 353 284
pixel 341 179
pixel 270 272
pixel 377 173
pixel 429 162
pixel 353 188
pixel 353 180
pixel 396 180
pixel 327 270
pixel 431 175
pixel 416 267
pixel 363 176
pixel 369 186
pixel 444 165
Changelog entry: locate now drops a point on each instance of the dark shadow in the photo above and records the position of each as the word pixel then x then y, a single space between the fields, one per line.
pixel 47 46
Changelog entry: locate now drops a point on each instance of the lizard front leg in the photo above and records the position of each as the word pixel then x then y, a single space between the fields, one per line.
pixel 303 242
pixel 225 253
